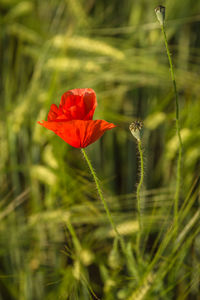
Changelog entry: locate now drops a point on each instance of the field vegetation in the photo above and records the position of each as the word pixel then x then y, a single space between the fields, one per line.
pixel 56 241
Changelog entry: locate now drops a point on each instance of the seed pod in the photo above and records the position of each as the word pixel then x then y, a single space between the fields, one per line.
pixel 160 13
pixel 135 128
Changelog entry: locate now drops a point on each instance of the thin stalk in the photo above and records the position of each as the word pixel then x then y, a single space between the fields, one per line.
pixel 178 178
pixel 138 193
pixel 103 200
pixel 74 236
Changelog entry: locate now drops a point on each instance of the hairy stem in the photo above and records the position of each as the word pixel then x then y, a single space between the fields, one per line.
pixel 138 193
pixel 178 178
pixel 103 200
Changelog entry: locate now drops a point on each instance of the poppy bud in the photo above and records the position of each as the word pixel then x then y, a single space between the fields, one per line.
pixel 160 13
pixel 135 128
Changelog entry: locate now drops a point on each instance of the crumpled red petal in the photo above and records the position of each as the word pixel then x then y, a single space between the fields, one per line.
pixel 78 133
pixel 54 113
pixel 78 104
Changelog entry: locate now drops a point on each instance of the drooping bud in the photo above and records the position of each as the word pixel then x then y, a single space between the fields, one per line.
pixel 135 128
pixel 160 13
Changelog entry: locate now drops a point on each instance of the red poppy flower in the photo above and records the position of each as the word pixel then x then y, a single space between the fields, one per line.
pixel 72 120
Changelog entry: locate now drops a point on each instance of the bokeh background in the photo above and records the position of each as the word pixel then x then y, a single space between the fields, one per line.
pixel 116 48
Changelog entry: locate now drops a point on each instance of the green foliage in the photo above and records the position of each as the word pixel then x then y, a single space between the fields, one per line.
pixel 55 240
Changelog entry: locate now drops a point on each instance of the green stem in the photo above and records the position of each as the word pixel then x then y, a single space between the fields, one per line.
pixel 138 193
pixel 103 200
pixel 178 180
pixel 74 236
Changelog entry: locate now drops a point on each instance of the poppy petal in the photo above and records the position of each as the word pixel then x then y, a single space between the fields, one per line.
pixel 78 104
pixel 53 113
pixel 94 130
pixel 90 102
pixel 79 133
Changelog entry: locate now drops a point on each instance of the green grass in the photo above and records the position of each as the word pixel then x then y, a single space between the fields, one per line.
pixel 55 239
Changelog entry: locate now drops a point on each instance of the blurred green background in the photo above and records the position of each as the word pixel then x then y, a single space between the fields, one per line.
pixel 116 48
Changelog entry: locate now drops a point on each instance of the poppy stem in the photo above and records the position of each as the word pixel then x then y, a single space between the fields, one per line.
pixel 103 200
pixel 135 128
pixel 138 193
pixel 178 176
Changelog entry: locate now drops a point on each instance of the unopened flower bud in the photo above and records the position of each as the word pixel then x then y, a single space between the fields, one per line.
pixel 135 128
pixel 160 13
